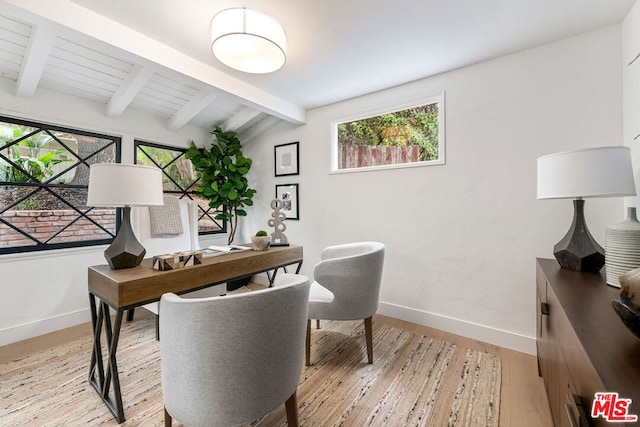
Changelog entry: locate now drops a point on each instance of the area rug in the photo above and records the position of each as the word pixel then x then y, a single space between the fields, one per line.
pixel 415 381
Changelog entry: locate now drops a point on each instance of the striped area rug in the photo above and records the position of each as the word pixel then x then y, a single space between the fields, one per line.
pixel 415 381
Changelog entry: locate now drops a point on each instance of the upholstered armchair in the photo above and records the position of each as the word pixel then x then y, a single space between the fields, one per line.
pixel 347 287
pixel 232 359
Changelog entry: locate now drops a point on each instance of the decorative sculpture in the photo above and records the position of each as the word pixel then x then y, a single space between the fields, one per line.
pixel 277 237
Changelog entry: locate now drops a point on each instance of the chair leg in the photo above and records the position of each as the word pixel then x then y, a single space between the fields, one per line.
pixel 157 327
pixel 307 347
pixel 368 329
pixel 291 407
pixel 317 323
pixel 130 314
pixel 167 418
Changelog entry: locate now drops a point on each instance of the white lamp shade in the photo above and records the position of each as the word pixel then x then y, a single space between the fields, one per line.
pixel 248 40
pixel 591 172
pixel 119 185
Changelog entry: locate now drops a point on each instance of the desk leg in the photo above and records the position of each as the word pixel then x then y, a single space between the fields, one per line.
pixel 272 276
pixel 96 367
pixel 102 379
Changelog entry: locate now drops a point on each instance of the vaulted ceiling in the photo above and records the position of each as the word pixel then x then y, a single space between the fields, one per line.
pixel 153 55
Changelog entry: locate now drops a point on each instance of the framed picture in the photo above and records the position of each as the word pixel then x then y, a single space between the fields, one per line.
pixel 287 159
pixel 288 193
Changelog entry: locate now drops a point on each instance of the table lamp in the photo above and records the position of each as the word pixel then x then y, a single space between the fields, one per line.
pixel 117 185
pixel 591 172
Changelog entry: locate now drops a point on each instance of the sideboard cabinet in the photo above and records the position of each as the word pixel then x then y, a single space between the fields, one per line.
pixel 582 345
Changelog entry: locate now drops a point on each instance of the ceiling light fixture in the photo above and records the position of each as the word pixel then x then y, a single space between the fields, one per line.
pixel 248 40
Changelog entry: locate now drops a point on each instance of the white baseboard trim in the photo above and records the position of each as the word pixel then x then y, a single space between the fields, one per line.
pixel 502 338
pixel 44 326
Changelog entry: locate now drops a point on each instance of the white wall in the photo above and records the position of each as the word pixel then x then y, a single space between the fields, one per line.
pixel 47 291
pixel 631 85
pixel 462 238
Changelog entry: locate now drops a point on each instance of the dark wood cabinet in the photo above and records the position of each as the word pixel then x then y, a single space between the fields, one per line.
pixel 583 347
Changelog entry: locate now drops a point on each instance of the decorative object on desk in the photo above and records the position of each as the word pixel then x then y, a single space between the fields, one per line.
pixel 591 172
pixel 260 241
pixel 622 247
pixel 277 237
pixel 287 159
pixel 248 40
pixel 222 170
pixel 123 186
pixel 177 260
pixel 288 193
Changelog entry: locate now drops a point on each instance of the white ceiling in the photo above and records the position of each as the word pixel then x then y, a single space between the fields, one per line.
pixel 154 55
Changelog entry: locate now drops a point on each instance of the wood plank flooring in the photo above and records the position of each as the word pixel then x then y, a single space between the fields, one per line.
pixel 523 398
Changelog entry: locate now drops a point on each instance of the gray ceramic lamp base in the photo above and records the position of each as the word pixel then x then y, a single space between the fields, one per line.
pixel 578 250
pixel 125 250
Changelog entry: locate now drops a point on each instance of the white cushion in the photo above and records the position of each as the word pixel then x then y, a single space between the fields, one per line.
pixel 318 293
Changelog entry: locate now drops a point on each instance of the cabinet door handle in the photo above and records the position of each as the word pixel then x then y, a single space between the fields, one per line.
pixel 544 308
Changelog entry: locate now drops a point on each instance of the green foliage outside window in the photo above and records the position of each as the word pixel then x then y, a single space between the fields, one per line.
pixel 27 156
pixel 413 126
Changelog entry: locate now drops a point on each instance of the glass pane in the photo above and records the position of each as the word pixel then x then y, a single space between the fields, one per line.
pixel 45 174
pixel 9 237
pixel 405 136
pixel 83 229
pixel 206 215
pixel 178 172
pixel 179 179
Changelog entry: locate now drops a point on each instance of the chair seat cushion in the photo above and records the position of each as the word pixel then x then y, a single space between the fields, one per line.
pixel 320 294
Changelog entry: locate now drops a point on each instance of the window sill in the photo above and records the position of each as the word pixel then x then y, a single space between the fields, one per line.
pixel 387 167
pixel 25 256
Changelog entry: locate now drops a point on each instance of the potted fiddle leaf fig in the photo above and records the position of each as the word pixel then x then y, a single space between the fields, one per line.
pixel 222 170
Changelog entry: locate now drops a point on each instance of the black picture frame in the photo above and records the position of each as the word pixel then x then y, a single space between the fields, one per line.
pixel 288 193
pixel 286 159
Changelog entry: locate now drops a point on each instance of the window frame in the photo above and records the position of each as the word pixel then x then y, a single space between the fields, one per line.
pixel 436 99
pixel 39 247
pixel 186 193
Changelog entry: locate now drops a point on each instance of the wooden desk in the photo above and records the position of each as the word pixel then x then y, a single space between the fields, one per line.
pixel 128 288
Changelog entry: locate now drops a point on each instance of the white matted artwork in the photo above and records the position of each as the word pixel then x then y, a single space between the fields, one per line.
pixel 287 159
pixel 288 193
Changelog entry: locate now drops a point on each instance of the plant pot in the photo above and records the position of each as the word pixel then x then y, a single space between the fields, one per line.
pixel 260 243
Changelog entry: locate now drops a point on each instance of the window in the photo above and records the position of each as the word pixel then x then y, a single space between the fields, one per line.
pixel 44 174
pixel 412 135
pixel 179 178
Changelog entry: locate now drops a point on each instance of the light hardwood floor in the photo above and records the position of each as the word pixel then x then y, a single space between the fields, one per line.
pixel 523 402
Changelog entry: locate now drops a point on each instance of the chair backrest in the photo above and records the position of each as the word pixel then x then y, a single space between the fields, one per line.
pixel 188 240
pixel 232 359
pixel 353 273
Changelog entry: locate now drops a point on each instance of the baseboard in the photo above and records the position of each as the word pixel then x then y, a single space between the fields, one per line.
pixel 502 338
pixel 44 326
